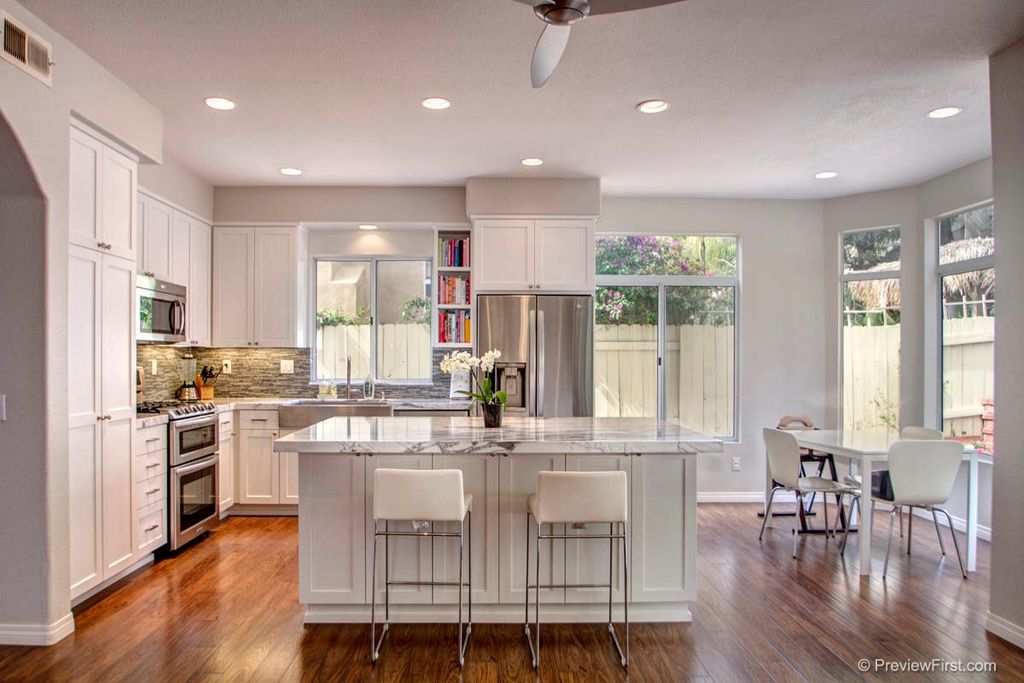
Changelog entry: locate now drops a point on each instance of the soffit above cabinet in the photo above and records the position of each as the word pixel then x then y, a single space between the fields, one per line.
pixel 533 197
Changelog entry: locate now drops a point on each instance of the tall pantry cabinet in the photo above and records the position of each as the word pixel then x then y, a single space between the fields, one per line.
pixel 101 359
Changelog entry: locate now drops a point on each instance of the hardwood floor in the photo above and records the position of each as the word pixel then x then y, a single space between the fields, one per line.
pixel 226 610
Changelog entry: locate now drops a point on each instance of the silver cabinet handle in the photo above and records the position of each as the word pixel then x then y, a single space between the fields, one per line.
pixel 152 465
pixel 152 491
pixel 258 419
pixel 152 528
pixel 149 273
pixel 153 440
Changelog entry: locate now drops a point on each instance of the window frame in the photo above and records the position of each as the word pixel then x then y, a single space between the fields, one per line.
pixel 662 282
pixel 943 270
pixel 861 276
pixel 373 260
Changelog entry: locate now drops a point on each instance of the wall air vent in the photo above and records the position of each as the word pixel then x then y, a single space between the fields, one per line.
pixel 26 50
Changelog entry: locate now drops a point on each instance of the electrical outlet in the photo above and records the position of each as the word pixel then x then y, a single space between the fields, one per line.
pixel 287 367
pixel 225 366
pixel 154 368
pixel 736 464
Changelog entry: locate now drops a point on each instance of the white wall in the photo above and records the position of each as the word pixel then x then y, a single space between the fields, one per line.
pixel 176 184
pixel 1006 601
pixel 781 355
pixel 38 599
pixel 383 242
pixel 533 196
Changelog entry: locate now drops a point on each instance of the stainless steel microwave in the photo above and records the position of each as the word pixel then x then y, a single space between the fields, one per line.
pixel 161 311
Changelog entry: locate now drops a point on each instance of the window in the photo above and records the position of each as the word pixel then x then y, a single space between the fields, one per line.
pixel 870 392
pixel 376 311
pixel 968 306
pixel 665 329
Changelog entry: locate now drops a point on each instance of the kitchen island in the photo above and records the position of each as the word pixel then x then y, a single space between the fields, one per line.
pixel 337 459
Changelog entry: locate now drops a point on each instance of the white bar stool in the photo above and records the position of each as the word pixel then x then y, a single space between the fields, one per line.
pixel 422 496
pixel 578 498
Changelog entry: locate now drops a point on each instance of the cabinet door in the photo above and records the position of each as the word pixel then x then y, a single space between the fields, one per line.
pixel 480 479
pixel 156 238
pixel 226 473
pixel 275 297
pixel 199 264
pixel 181 226
pixel 503 255
pixel 86 160
pixel 118 181
pixel 332 545
pixel 258 467
pixel 410 558
pixel 289 478
pixel 118 512
pixel 84 410
pixel 518 480
pixel 588 561
pixel 117 339
pixel 663 516
pixel 232 286
pixel 564 253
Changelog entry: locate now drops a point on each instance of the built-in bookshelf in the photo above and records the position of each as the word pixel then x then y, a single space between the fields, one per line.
pixel 453 292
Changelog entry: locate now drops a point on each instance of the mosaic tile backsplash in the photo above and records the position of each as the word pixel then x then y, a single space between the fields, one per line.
pixel 256 373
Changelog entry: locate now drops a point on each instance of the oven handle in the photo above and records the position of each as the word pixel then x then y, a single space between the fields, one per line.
pixel 182 470
pixel 197 421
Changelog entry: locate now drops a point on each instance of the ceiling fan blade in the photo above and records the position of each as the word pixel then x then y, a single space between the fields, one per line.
pixel 612 6
pixel 550 47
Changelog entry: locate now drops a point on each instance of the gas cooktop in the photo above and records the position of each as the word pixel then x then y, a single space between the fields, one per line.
pixel 175 409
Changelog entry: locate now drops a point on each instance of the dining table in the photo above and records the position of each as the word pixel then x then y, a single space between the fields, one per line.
pixel 864 449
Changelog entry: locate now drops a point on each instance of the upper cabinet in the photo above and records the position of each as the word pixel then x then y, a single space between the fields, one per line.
pixel 176 247
pixel 258 286
pixel 101 199
pixel 531 255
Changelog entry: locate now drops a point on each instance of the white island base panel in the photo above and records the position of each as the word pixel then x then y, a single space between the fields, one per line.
pixel 335 539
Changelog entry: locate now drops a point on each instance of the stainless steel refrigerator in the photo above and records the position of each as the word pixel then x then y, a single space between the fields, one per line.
pixel 547 350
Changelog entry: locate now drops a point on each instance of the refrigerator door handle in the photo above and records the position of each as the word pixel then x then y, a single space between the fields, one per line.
pixel 531 373
pixel 540 362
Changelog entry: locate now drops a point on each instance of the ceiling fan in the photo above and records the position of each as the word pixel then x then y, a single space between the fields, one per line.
pixel 559 16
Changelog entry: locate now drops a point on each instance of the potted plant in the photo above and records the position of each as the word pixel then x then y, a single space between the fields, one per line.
pixel 492 403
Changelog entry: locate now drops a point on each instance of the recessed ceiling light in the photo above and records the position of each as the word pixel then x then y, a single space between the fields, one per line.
pixel 436 103
pixel 367 226
pixel 291 171
pixel 531 161
pixel 944 112
pixel 221 103
pixel 825 175
pixel 652 106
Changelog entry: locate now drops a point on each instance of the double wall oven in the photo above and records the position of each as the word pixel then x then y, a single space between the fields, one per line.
pixel 193 443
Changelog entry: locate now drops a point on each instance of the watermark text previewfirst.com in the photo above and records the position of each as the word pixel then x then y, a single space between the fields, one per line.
pixel 925 666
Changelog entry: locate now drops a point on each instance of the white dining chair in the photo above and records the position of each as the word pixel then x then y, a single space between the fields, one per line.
pixel 923 473
pixel 784 467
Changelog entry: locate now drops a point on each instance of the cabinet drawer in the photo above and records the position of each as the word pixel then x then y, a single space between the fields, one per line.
pixel 149 491
pixel 257 419
pixel 149 465
pixel 151 527
pixel 151 439
pixel 226 420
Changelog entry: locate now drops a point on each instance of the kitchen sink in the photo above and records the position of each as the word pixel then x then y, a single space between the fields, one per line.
pixel 305 412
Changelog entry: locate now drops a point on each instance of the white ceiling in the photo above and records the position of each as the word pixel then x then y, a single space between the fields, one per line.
pixel 764 93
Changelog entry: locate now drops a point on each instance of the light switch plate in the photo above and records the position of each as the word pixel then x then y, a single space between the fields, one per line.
pixel 736 463
pixel 225 366
pixel 154 369
pixel 287 367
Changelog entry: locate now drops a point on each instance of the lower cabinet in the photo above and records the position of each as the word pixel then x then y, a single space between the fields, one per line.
pixel 289 473
pixel 258 468
pixel 226 472
pixel 588 561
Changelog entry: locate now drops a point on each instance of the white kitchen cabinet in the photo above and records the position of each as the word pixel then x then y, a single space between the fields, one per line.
pixel 155 235
pixel 517 480
pixel 289 465
pixel 664 562
pixel 527 255
pixel 587 561
pixel 102 183
pixel 479 479
pixel 411 557
pixel 181 226
pixel 258 465
pixel 200 264
pixel 258 286
pixel 101 401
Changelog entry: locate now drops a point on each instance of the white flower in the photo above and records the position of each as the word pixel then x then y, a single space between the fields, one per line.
pixel 488 359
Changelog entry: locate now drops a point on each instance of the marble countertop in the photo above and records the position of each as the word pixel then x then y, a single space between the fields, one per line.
pixel 143 421
pixel 430 403
pixel 403 435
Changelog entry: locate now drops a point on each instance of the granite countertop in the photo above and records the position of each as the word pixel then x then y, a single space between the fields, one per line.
pixel 398 435
pixel 143 421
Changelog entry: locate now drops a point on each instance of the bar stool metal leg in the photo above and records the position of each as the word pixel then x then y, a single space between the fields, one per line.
pixel 375 642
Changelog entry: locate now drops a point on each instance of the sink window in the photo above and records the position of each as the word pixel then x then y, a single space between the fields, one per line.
pixel 378 312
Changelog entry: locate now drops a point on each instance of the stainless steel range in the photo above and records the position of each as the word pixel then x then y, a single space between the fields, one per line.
pixel 192 454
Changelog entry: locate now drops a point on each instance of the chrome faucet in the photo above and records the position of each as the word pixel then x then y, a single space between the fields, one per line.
pixel 348 377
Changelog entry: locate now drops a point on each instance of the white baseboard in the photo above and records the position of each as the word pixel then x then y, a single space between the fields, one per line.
pixel 672 612
pixel 1005 629
pixel 37 634
pixel 742 497
pixel 960 524
pixel 240 510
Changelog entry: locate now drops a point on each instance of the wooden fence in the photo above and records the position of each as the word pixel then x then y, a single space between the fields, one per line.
pixel 699 374
pixel 967 349
pixel 403 351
